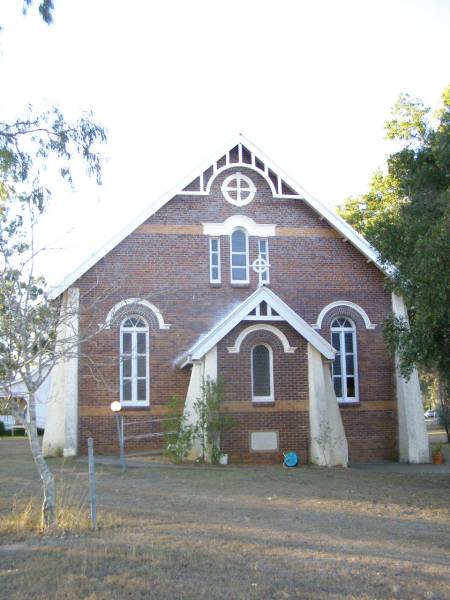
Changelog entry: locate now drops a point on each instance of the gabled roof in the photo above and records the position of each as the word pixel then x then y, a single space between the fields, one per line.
pixel 239 152
pixel 284 312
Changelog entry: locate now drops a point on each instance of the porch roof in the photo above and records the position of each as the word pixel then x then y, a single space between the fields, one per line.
pixel 238 314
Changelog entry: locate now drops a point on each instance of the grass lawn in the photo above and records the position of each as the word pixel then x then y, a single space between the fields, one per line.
pixel 230 533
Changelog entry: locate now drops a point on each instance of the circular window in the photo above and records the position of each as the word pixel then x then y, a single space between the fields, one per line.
pixel 238 189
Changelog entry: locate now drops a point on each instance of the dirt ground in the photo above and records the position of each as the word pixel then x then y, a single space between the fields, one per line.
pixel 232 533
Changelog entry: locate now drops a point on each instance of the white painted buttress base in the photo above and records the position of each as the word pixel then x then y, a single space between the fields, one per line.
pixel 412 430
pixel 325 418
pixel 328 445
pixel 201 370
pixel 61 428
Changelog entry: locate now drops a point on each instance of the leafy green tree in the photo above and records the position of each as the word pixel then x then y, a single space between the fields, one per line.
pixel 406 216
pixel 28 143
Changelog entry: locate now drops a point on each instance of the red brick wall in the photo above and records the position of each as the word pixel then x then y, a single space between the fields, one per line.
pixel 166 261
pixel 288 415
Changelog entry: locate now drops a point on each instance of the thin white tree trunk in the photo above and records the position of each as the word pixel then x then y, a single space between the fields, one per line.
pixel 48 481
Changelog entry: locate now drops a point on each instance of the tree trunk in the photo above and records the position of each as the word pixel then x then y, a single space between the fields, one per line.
pixel 48 481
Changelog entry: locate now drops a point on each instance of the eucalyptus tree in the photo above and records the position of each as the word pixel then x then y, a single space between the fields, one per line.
pixel 29 322
pixel 406 216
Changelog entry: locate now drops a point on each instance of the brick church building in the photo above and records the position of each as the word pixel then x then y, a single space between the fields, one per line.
pixel 238 273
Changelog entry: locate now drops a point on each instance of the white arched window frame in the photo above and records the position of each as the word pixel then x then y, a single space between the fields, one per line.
pixel 239 267
pixel 262 373
pixel 345 364
pixel 134 362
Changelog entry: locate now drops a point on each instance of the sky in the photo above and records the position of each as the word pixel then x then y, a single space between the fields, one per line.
pixel 311 82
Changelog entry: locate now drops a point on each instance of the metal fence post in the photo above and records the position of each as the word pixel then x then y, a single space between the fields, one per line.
pixel 92 490
pixel 120 433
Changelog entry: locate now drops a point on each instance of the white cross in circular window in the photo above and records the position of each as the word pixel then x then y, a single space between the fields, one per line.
pixel 238 189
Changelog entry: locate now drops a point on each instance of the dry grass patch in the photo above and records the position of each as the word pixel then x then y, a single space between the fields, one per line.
pixel 230 534
pixel 24 516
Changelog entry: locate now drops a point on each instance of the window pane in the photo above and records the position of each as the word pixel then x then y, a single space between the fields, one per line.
pixel 126 367
pixel 128 323
pixel 214 260
pixel 141 345
pixel 348 342
pixel 141 389
pixel 238 243
pixel 126 390
pixel 142 366
pixel 350 387
pixel 239 274
pixel 126 343
pixel 214 273
pixel 336 341
pixel 239 260
pixel 337 366
pixel 349 364
pixel 338 387
pixel 261 371
pixel 262 247
pixel 214 245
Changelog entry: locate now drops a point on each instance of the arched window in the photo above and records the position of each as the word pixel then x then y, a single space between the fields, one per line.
pixel 239 256
pixel 262 373
pixel 345 373
pixel 134 362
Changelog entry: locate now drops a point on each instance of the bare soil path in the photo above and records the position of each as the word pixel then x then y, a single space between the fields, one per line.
pixel 249 533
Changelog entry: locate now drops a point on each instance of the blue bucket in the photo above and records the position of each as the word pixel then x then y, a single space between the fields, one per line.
pixel 290 459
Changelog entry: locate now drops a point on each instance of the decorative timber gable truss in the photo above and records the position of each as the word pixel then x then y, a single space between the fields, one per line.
pixel 244 154
pixel 238 153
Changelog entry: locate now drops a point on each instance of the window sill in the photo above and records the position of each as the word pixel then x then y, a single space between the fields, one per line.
pixel 215 284
pixel 344 403
pixel 258 403
pixel 244 284
pixel 134 407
